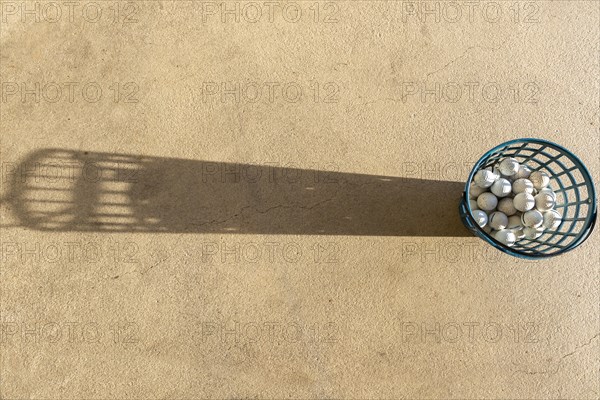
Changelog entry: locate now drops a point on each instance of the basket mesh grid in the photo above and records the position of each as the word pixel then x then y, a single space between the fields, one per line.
pixel 574 195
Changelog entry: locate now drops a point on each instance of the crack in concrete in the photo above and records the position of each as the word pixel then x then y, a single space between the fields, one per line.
pixel 464 54
pixel 241 212
pixel 555 371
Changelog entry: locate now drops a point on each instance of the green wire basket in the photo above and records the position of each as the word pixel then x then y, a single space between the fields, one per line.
pixel 571 182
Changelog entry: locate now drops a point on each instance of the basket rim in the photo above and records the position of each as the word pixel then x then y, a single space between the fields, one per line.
pixel 586 230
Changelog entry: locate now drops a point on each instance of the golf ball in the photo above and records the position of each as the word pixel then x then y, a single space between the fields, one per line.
pixel 519 233
pixel 475 191
pixel 522 202
pixel 498 220
pixel 501 187
pixel 484 178
pixel 552 219
pixel 506 206
pixel 509 166
pixel 473 204
pixel 487 201
pixel 549 191
pixel 523 172
pixel 514 222
pixel 532 219
pixel 480 217
pixel 540 179
pixel 506 237
pixel 532 233
pixel 544 201
pixel 522 185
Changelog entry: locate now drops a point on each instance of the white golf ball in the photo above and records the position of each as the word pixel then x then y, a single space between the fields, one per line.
pixel 487 201
pixel 495 170
pixel 506 206
pixel 522 202
pixel 481 217
pixel 475 191
pixel 552 219
pixel 519 233
pixel 549 191
pixel 532 219
pixel 498 220
pixel 533 233
pixel 473 204
pixel 544 201
pixel 484 178
pixel 523 172
pixel 501 187
pixel 540 179
pixel 514 222
pixel 506 237
pixel 522 185
pixel 509 166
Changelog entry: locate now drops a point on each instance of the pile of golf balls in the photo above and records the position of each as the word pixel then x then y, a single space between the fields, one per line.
pixel 510 202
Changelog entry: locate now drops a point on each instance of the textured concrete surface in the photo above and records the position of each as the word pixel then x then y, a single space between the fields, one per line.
pixel 286 279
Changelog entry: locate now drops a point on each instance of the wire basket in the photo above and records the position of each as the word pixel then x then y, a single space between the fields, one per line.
pixel 571 182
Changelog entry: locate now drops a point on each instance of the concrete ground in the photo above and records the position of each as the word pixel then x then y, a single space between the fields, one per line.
pixel 259 199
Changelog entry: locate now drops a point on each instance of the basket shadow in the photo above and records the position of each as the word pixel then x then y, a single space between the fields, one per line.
pixel 65 190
